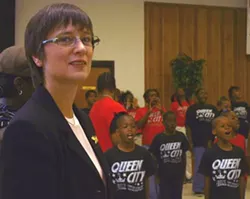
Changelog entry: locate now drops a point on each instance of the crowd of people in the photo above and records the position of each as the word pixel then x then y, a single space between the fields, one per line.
pixel 112 148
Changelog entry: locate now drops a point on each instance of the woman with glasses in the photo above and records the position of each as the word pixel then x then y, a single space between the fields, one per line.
pixel 50 150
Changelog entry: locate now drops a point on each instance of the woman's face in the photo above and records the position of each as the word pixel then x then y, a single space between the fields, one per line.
pixel 67 64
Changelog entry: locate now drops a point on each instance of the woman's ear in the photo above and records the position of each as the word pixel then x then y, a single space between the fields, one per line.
pixel 37 61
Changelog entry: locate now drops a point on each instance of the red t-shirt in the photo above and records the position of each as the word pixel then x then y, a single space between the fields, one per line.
pixel 132 112
pixel 153 125
pixel 238 140
pixel 101 115
pixel 180 112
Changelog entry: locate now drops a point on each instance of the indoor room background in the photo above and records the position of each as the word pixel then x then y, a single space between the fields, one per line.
pixel 142 38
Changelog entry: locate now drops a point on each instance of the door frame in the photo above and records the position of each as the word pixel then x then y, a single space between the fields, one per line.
pixel 104 64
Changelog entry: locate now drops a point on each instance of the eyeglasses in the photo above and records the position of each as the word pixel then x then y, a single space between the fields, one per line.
pixel 71 41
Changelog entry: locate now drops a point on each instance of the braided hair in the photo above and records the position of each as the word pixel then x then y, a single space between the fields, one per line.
pixel 106 81
pixel 114 123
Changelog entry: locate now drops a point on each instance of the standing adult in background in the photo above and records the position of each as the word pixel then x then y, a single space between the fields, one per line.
pixel 240 107
pixel 90 97
pixel 50 149
pixel 15 88
pixel 103 111
pixel 199 118
pixel 15 84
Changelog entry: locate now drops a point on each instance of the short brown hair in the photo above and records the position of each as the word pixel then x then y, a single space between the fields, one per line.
pixel 45 21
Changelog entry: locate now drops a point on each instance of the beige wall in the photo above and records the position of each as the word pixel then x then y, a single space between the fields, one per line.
pixel 120 25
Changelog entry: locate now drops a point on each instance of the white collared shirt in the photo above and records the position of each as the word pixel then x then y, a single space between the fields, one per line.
pixel 82 138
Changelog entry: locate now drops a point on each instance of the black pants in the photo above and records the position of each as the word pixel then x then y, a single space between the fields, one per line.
pixel 171 189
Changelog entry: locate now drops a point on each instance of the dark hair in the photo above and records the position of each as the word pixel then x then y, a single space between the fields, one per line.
pixel 222 99
pixel 148 91
pixel 114 123
pixel 166 114
pixel 106 81
pixel 124 96
pixel 198 91
pixel 87 94
pixel 231 90
pixel 173 98
pixel 42 23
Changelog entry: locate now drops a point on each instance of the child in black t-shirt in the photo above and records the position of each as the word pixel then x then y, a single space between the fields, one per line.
pixel 129 163
pixel 240 107
pixel 170 148
pixel 223 165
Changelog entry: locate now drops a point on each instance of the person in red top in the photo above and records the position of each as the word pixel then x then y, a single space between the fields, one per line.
pixel 127 100
pixel 179 107
pixel 104 109
pixel 149 118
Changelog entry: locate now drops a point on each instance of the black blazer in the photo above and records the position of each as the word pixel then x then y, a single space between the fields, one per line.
pixel 42 158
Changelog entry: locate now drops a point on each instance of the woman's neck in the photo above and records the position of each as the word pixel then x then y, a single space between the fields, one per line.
pixel 63 95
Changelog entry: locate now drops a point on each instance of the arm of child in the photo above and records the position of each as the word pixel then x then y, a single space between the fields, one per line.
pixel 205 168
pixel 141 118
pixel 147 188
pixel 207 187
pixel 189 136
pixel 242 187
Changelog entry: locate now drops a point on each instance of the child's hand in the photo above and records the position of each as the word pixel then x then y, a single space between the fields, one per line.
pixel 150 107
pixel 158 104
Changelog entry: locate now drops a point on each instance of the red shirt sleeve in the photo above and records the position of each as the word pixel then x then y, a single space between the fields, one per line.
pixel 101 115
pixel 140 112
pixel 174 107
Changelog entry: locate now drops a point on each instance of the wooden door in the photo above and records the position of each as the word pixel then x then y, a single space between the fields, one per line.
pixel 89 84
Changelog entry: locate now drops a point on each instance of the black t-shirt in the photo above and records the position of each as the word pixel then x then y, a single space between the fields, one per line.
pixel 129 171
pixel 199 118
pixel 169 151
pixel 241 109
pixel 224 169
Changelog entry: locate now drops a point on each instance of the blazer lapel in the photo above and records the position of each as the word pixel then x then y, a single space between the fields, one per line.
pixel 90 133
pixel 42 96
